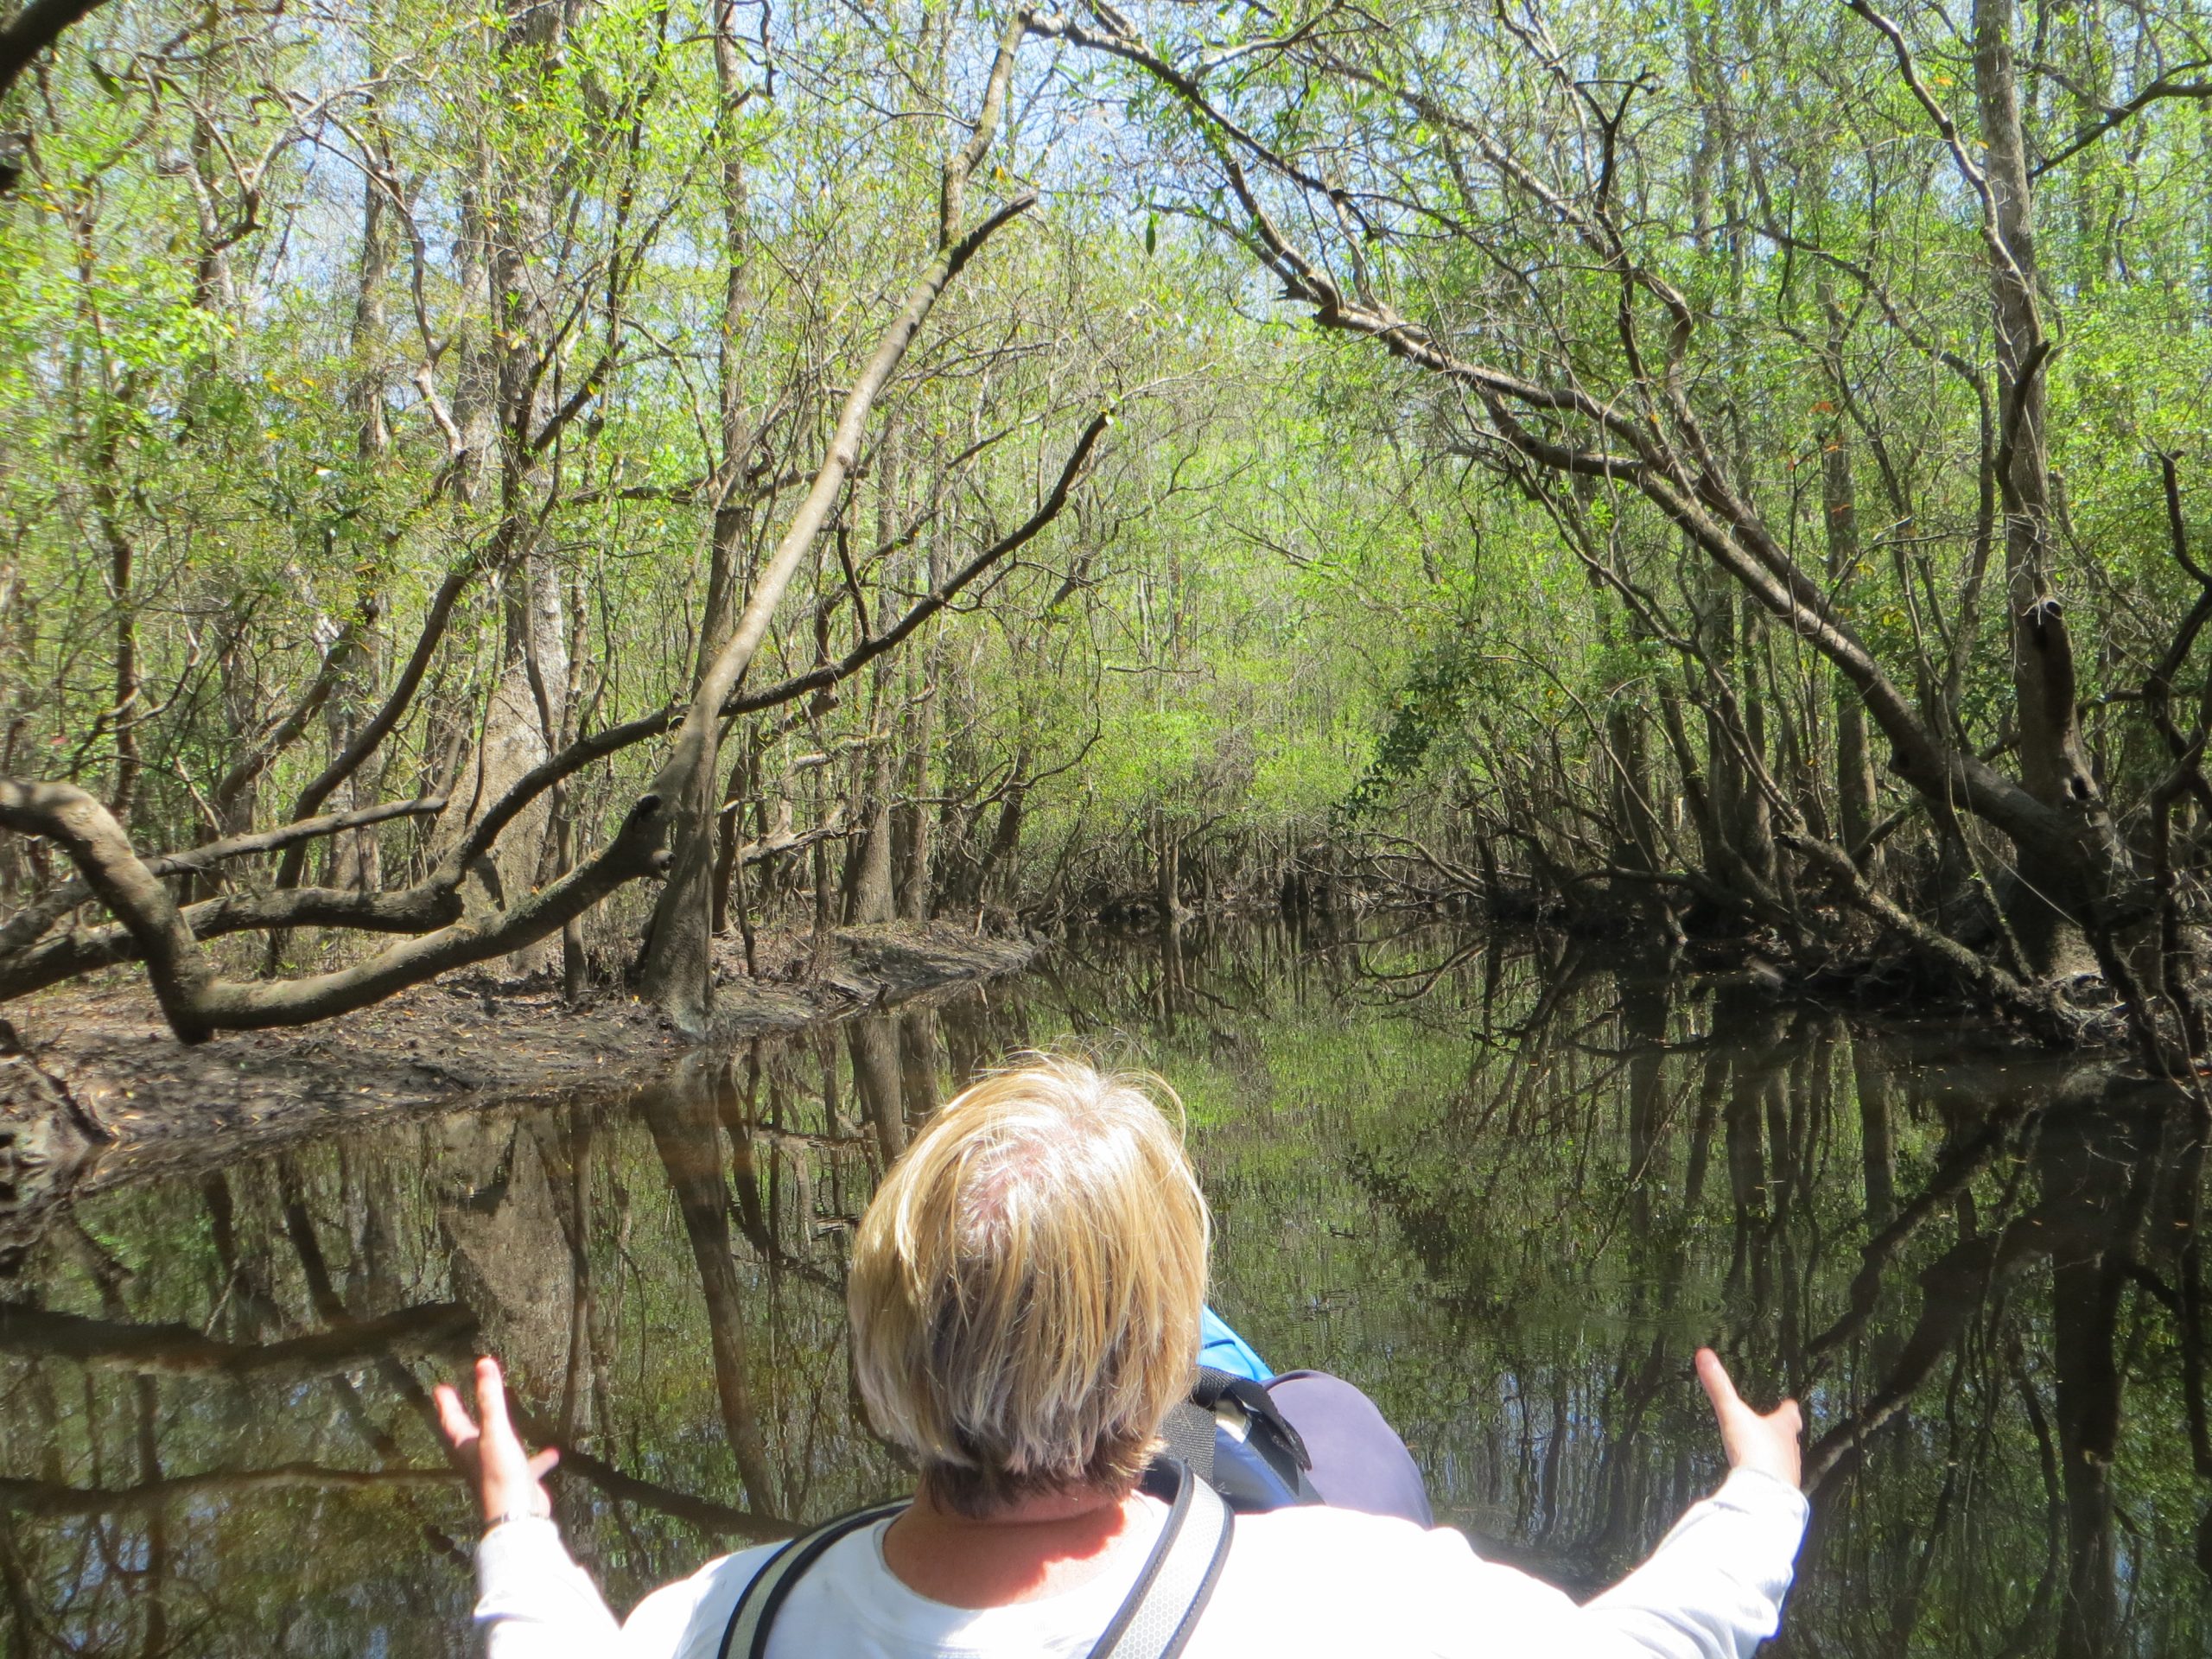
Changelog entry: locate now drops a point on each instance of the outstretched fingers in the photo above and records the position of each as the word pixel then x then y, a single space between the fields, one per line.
pixel 1717 1387
pixel 499 1429
pixel 491 1398
pixel 486 1448
pixel 454 1420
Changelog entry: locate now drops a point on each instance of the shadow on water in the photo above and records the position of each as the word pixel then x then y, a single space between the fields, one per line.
pixel 1507 1184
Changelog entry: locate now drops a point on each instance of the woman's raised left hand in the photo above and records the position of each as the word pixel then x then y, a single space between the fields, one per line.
pixel 507 1477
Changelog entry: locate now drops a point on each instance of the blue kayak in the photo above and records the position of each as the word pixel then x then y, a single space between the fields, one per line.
pixel 1225 1351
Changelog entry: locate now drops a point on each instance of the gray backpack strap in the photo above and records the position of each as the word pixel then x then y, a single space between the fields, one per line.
pixel 746 1635
pixel 1177 1580
pixel 1188 1429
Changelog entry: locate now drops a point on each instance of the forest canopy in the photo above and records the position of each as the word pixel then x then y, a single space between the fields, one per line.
pixel 567 484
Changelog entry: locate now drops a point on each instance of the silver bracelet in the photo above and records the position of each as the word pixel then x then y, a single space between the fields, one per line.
pixel 498 1521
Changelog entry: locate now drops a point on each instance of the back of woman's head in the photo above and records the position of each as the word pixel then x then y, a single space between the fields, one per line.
pixel 1027 1285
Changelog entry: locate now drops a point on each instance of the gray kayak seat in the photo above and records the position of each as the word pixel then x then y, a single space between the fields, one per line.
pixel 1153 1622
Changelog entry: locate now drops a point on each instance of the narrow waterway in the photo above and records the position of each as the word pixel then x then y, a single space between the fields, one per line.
pixel 1507 1185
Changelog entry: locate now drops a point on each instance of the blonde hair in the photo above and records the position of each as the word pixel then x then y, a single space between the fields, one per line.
pixel 1027 1285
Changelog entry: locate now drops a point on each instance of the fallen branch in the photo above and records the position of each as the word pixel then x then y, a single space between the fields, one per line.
pixel 412 909
pixel 754 852
pixel 2035 1008
pixel 48 1501
pixel 197 1004
pixel 32 923
pixel 436 1330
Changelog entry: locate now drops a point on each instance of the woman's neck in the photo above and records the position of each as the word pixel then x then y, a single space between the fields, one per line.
pixel 1037 1547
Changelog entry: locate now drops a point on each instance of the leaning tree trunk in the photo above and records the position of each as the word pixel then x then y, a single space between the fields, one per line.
pixel 678 970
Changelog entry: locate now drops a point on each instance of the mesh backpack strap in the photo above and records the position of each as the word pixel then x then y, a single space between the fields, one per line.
pixel 1178 1577
pixel 746 1635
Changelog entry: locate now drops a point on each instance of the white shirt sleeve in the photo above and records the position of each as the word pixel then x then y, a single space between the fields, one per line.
pixel 1711 1590
pixel 1714 1588
pixel 1316 1580
pixel 533 1602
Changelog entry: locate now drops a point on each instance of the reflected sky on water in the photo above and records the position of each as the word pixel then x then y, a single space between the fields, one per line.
pixel 1506 1186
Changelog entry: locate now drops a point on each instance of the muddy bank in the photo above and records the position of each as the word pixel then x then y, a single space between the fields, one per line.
pixel 94 1090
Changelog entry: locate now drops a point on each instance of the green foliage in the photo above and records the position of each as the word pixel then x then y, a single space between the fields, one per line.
pixel 288 309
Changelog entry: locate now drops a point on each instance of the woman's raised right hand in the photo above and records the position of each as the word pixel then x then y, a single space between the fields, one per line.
pixel 507 1477
pixel 1766 1441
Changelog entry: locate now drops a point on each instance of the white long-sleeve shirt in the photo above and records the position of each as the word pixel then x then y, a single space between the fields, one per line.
pixel 1305 1583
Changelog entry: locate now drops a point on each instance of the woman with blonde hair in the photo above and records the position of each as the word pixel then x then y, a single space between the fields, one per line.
pixel 1026 1297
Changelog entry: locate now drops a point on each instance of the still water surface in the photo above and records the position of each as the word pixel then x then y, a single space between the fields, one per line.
pixel 1504 1186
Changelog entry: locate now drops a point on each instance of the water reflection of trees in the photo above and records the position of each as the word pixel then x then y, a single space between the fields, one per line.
pixel 218 1437
pixel 1982 1272
pixel 1506 1184
pixel 1986 1277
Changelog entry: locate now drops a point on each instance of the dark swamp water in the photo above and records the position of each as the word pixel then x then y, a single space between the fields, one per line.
pixel 1503 1187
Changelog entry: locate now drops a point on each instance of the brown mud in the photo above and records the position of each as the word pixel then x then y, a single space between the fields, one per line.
pixel 94 1091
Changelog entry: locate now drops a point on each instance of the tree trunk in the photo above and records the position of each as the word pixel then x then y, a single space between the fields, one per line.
pixel 513 737
pixel 372 437
pixel 356 855
pixel 1854 762
pixel 355 859
pixel 916 872
pixel 679 940
pixel 914 895
pixel 680 1112
pixel 500 403
pixel 874 1044
pixel 1636 835
pixel 122 558
pixel 1167 868
pixel 1738 837
pixel 1754 826
pixel 870 896
pixel 2046 905
pixel 825 913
